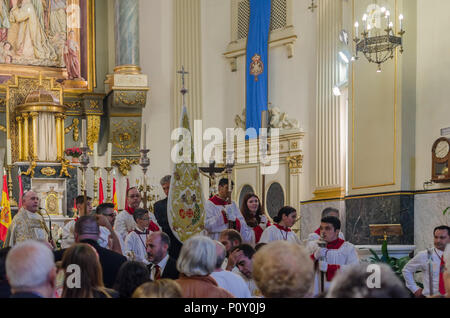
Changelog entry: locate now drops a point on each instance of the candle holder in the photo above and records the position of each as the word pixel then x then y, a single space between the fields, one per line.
pixel 12 201
pixel 108 184
pixel 84 162
pixel 144 162
pixel 95 201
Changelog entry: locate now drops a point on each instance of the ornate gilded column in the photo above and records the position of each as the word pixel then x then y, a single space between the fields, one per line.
pixel 63 135
pixel 19 120
pixel 127 32
pixel 34 134
pixel 58 118
pixel 26 134
pixel 330 114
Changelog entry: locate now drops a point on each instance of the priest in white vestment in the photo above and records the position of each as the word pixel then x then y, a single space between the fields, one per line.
pixel 28 224
pixel 281 230
pixel 336 254
pixel 222 213
pixel 135 242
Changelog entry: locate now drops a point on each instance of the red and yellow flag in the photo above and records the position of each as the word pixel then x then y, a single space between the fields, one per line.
pixel 116 206
pixel 5 213
pixel 101 197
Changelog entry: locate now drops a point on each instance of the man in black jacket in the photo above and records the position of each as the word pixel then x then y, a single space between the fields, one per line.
pixel 162 264
pixel 161 217
pixel 87 231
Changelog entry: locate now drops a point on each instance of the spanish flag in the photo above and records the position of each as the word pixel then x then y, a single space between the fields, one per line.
pixel 101 197
pixel 116 206
pixel 5 213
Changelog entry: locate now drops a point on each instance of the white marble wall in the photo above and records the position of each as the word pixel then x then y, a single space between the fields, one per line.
pixel 311 213
pixel 428 208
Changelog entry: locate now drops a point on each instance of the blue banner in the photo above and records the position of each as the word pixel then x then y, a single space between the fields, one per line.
pixel 257 62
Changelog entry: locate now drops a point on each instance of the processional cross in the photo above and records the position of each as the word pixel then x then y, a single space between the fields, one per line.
pixel 210 173
pixel 183 88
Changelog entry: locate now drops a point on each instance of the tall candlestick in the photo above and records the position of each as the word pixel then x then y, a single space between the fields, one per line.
pixel 83 131
pixel 144 138
pixel 8 152
pixel 108 156
pixel 95 154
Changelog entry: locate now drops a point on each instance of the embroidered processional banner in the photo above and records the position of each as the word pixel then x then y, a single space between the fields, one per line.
pixel 257 62
pixel 185 206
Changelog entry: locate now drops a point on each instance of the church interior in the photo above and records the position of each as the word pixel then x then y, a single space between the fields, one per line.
pixel 360 115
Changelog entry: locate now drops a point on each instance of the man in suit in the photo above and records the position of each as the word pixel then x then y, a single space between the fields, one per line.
pixel 161 217
pixel 162 264
pixel 31 271
pixel 87 231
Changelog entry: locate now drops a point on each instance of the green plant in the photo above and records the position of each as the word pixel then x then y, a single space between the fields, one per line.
pixel 446 210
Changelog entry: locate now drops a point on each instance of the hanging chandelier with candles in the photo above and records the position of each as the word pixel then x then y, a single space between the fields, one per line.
pixel 378 41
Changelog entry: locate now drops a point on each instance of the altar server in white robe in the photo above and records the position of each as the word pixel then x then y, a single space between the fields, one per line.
pixel 336 254
pixel 423 260
pixel 281 230
pixel 326 212
pixel 135 242
pixel 125 223
pixel 68 237
pixel 222 213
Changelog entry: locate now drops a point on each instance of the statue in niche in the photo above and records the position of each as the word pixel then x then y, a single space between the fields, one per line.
pixel 240 121
pixel 281 120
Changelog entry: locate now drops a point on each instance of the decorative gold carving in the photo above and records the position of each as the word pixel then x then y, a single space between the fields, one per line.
pixel 294 145
pixel 2 128
pixel 2 102
pixel 64 165
pixel 93 123
pixel 30 171
pixel 73 105
pixel 127 99
pixel 125 136
pixel 124 165
pixel 127 69
pixel 94 104
pixel 75 128
pixel 48 171
pixel 295 163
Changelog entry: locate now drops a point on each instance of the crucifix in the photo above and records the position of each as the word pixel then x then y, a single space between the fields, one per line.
pixel 183 89
pixel 210 173
pixel 312 6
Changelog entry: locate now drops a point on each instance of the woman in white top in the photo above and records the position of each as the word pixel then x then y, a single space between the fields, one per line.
pixel 281 230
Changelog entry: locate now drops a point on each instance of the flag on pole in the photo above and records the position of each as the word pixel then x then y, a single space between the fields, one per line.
pixel 116 206
pixel 126 192
pixel 101 197
pixel 20 188
pixel 5 213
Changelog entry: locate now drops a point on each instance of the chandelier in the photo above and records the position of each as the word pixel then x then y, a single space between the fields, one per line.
pixel 379 41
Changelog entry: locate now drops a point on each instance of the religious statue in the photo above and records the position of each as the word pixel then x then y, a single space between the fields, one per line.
pixel 280 120
pixel 71 57
pixel 52 201
pixel 64 165
pixel 239 121
pixel 30 171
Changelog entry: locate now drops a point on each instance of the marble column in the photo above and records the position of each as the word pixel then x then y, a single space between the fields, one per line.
pixel 330 114
pixel 127 32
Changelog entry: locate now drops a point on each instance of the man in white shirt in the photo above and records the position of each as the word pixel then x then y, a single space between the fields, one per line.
pixel 433 258
pixel 106 239
pixel 326 212
pixel 335 255
pixel 68 238
pixel 135 242
pixel 230 239
pixel 161 264
pixel 222 213
pixel 229 281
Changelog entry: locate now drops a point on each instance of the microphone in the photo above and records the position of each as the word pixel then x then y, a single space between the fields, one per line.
pixel 49 223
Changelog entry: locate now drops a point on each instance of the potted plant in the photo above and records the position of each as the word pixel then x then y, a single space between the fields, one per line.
pixel 75 153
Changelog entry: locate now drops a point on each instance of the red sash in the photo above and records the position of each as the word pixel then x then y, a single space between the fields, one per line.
pixel 283 228
pixel 441 277
pixel 129 210
pixel 218 201
pixel 317 231
pixel 258 232
pixel 153 227
pixel 332 269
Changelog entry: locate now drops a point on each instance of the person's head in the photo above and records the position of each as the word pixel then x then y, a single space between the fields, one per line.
pixel 133 198
pixel 283 270
pixel 441 237
pixel 141 218
pixel 330 212
pixel 3 254
pixel 223 187
pixel 230 239
pixel 446 257
pixel 85 257
pixel 352 282
pixel 8 59
pixel 158 244
pixel 165 184
pixel 197 257
pixel 30 267
pixel 131 275
pixel 86 228
pixel 79 202
pixel 107 209
pixel 7 46
pixel 221 254
pixel 330 228
pixel 162 288
pixel 244 260
pixel 30 201
pixel 251 209
pixel 287 216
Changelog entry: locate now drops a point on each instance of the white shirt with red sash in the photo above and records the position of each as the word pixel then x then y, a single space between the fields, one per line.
pixel 218 213
pixel 135 248
pixel 277 232
pixel 337 255
pixel 125 223
pixel 257 231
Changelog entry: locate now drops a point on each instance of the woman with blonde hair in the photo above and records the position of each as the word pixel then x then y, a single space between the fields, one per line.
pixel 90 273
pixel 162 288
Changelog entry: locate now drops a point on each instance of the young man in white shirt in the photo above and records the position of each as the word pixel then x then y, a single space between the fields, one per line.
pixel 433 258
pixel 135 242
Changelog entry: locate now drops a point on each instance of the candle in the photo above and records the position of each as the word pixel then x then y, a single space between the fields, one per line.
pixel 83 131
pixel 401 22
pixel 144 137
pixel 356 29
pixel 8 154
pixel 95 154
pixel 388 17
pixel 364 18
pixel 108 156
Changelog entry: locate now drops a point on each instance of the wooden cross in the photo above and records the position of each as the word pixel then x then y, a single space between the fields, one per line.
pixel 312 6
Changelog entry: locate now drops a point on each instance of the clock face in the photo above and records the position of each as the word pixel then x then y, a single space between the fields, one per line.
pixel 442 149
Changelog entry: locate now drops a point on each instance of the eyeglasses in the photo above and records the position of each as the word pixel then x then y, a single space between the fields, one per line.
pixel 109 214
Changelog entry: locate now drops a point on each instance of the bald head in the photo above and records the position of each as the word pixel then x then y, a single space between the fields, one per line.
pixel 86 228
pixel 221 254
pixel 30 201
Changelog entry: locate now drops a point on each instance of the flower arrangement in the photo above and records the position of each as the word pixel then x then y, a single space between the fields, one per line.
pixel 73 152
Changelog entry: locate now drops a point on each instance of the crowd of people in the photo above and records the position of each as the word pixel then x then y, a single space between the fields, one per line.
pixel 241 254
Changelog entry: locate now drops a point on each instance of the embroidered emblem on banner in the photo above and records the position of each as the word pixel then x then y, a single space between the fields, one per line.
pixel 257 66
